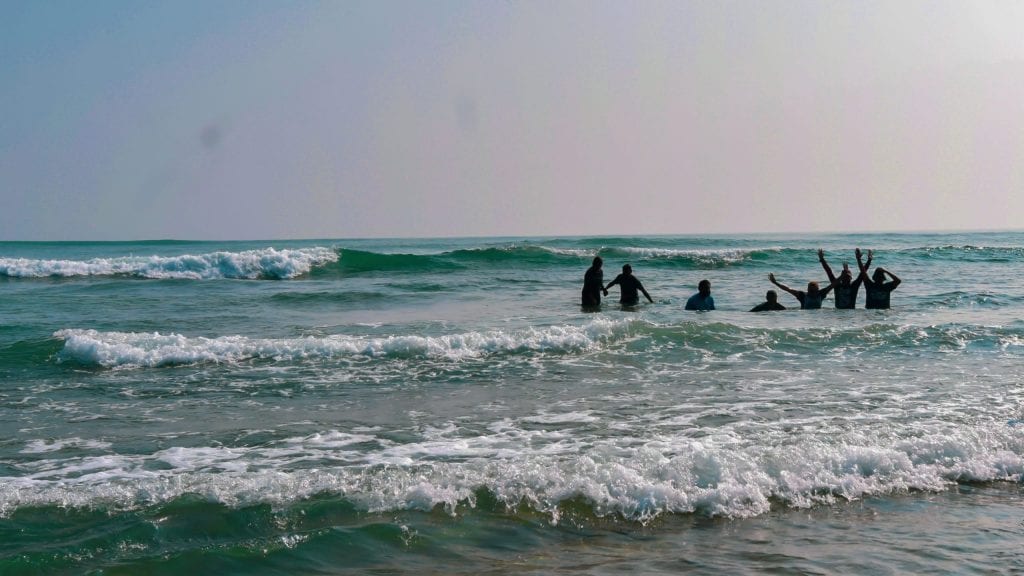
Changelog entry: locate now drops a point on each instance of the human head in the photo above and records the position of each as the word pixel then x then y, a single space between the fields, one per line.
pixel 879 275
pixel 812 287
pixel 845 277
pixel 598 262
pixel 772 296
pixel 704 287
pixel 627 269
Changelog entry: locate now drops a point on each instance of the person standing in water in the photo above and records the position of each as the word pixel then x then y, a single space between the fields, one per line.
pixel 702 300
pixel 876 288
pixel 809 300
pixel 771 302
pixel 845 286
pixel 628 287
pixel 593 283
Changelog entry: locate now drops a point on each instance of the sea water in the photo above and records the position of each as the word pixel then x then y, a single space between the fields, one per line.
pixel 446 406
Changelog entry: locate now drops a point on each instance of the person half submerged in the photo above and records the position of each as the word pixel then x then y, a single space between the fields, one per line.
pixel 770 303
pixel 702 300
pixel 876 288
pixel 845 286
pixel 628 287
pixel 809 300
pixel 593 284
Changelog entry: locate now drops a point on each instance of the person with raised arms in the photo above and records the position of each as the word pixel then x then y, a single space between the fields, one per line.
pixel 845 286
pixel 876 288
pixel 809 300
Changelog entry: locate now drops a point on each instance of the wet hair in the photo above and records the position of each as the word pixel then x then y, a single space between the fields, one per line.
pixel 812 287
pixel 598 261
pixel 878 276
pixel 771 296
pixel 626 268
pixel 704 283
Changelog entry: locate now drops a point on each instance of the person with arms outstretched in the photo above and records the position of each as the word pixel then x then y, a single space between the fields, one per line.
pixel 845 286
pixel 809 300
pixel 702 300
pixel 771 303
pixel 593 284
pixel 628 287
pixel 876 288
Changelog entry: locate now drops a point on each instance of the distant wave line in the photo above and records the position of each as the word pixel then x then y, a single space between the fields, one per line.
pixel 268 263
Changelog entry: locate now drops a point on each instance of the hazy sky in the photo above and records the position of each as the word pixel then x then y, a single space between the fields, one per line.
pixel 242 119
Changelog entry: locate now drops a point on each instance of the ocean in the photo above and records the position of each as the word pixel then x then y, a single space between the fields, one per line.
pixel 445 406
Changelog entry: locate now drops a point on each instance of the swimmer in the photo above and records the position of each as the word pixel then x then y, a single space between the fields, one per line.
pixel 876 288
pixel 702 300
pixel 593 283
pixel 628 286
pixel 809 300
pixel 845 286
pixel 770 303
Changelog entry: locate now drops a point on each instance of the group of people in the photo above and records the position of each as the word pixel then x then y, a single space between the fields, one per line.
pixel 630 289
pixel 878 286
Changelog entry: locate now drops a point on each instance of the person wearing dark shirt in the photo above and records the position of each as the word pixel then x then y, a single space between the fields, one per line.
pixel 876 288
pixel 771 303
pixel 809 300
pixel 702 300
pixel 845 286
pixel 593 283
pixel 628 287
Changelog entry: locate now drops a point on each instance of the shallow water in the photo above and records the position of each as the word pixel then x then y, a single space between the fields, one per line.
pixel 445 406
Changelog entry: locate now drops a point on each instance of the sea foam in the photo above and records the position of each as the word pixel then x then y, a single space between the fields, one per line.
pixel 110 349
pixel 613 476
pixel 268 263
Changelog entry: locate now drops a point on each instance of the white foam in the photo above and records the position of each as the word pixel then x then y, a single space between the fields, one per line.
pixel 703 256
pixel 40 446
pixel 629 477
pixel 563 418
pixel 579 252
pixel 112 349
pixel 249 264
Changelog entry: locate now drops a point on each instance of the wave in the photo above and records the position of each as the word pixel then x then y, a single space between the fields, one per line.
pixel 135 349
pixel 27 353
pixel 358 261
pixel 114 349
pixel 699 258
pixel 631 478
pixel 268 263
pixel 962 253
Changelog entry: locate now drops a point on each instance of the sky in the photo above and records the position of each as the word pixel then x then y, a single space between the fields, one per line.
pixel 232 119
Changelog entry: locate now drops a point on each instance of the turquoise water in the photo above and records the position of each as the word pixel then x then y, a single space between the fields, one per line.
pixel 445 406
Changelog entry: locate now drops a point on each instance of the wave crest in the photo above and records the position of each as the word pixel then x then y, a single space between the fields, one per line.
pixel 268 263
pixel 113 349
pixel 609 478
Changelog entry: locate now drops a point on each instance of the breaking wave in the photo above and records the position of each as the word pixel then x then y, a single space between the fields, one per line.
pixel 268 263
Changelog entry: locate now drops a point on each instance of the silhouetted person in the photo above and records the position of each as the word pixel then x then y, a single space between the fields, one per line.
pixel 702 300
pixel 628 287
pixel 771 303
pixel 876 288
pixel 593 283
pixel 809 300
pixel 845 286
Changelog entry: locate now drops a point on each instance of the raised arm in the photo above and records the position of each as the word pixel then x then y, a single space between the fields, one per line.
pixel 895 281
pixel 863 266
pixel 771 276
pixel 828 269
